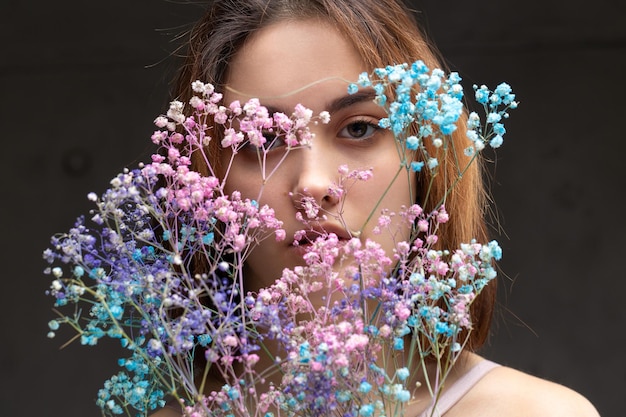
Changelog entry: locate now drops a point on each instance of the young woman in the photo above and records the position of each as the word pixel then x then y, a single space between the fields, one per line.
pixel 289 52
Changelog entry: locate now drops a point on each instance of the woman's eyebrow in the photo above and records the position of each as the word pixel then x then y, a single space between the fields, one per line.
pixel 338 104
pixel 360 96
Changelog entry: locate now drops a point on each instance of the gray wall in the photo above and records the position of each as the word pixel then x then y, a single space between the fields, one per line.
pixel 78 95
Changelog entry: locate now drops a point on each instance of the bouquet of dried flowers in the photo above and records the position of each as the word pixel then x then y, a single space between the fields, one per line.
pixel 158 264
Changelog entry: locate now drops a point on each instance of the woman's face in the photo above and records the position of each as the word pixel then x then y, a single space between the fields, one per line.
pixel 274 66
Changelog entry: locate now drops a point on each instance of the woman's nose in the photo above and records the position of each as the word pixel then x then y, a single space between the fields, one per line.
pixel 316 178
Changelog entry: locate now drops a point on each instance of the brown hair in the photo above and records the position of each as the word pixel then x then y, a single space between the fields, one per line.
pixel 383 32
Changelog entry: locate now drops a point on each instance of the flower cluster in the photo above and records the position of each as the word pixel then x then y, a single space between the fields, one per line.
pixel 335 352
pixel 159 266
pixel 432 113
pixel 153 230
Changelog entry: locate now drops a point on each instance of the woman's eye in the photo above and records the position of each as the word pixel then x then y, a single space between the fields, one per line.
pixel 271 142
pixel 359 130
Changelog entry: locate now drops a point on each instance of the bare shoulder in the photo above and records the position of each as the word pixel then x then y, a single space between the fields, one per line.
pixel 507 392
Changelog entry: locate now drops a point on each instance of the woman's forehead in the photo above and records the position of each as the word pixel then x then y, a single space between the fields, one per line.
pixel 287 58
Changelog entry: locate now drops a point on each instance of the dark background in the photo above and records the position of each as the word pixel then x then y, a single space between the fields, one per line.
pixel 81 82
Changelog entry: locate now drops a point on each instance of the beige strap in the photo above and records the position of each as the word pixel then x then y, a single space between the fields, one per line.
pixel 457 390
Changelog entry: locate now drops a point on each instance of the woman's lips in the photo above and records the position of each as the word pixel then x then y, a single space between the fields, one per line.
pixel 323 230
pixel 302 243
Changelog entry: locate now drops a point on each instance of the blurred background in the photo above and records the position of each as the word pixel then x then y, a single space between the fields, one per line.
pixel 81 82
